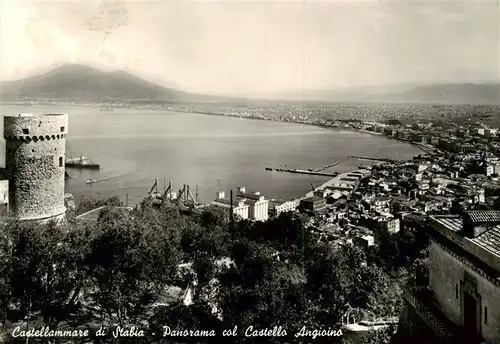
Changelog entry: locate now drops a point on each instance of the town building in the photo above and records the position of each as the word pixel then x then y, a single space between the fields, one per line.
pixel 365 241
pixel 479 131
pixel 258 204
pixel 239 207
pixel 390 225
pixel 313 204
pixel 490 132
pixel 280 206
pixel 461 303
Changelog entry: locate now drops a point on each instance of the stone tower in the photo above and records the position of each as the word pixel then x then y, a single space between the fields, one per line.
pixel 34 165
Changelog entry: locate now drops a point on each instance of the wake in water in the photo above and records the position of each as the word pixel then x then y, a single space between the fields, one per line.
pixel 111 178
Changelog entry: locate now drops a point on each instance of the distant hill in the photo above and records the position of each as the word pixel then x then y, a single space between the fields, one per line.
pixel 79 82
pixel 476 94
pixel 83 83
pixel 456 93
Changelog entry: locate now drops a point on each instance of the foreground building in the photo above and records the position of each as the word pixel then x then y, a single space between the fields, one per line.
pixel 34 166
pixel 461 303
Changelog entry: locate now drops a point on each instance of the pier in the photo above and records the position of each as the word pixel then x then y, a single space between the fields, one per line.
pixel 313 173
pixel 326 167
pixel 373 159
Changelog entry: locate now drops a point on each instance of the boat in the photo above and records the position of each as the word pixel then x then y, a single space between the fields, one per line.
pixel 90 181
pixel 82 163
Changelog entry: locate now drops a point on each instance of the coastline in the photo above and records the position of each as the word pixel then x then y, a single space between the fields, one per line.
pixel 335 128
pixel 331 181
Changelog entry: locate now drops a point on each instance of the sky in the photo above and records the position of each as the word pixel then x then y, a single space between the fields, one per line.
pixel 259 47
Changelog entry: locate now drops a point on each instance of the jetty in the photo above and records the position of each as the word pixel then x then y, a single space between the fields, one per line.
pixel 326 167
pixel 373 159
pixel 81 163
pixel 309 172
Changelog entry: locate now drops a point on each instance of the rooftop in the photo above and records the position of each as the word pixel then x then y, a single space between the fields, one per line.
pixel 485 246
pixel 93 215
pixel 227 202
pixel 313 199
pixel 478 216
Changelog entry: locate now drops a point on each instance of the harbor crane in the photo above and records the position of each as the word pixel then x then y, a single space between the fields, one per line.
pixel 183 196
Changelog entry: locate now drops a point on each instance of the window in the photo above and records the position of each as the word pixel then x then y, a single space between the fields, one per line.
pixel 485 315
pixel 62 129
pixel 60 161
pixel 26 131
pixel 456 291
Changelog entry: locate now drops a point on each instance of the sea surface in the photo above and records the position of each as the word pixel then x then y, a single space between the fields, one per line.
pixel 209 153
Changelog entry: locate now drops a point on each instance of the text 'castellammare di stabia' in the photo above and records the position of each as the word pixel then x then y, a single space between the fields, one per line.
pixel 166 331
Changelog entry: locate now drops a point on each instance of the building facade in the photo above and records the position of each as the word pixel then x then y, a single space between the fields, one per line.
pixel 259 209
pixel 390 225
pixel 314 203
pixel 239 207
pixel 258 204
pixel 461 303
pixel 280 206
pixel 34 165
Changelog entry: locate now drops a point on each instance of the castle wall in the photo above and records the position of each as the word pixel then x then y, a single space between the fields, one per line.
pixel 412 329
pixel 445 276
pixel 34 164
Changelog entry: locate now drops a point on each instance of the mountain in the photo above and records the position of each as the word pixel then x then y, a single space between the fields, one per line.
pixel 85 83
pixel 468 93
pixel 452 93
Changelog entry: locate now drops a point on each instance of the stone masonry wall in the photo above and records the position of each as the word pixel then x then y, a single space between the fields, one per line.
pixel 35 155
pixel 445 275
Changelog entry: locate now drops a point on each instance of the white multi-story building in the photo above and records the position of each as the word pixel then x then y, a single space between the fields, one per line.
pixel 285 206
pixel 259 208
pixel 479 131
pixel 240 208
pixel 258 204
pixel 390 225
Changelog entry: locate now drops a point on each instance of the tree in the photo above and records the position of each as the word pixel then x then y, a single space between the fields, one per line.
pixel 259 289
pixel 332 279
pixel 384 299
pixel 47 270
pixel 130 263
pixel 88 204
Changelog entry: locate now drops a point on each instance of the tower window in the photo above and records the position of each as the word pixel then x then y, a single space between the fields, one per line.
pixel 485 315
pixel 62 129
pixel 456 291
pixel 60 161
pixel 26 131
